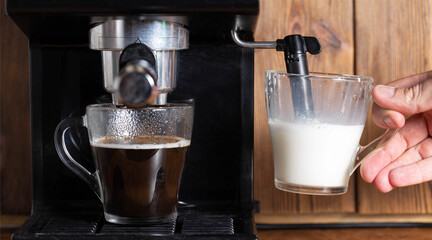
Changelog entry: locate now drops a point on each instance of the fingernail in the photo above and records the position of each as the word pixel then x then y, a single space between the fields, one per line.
pixel 386 91
pixel 388 121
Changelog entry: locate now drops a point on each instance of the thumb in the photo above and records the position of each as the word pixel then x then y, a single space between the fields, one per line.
pixel 406 100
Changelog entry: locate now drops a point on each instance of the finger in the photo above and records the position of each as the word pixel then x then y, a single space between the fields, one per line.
pixel 414 132
pixel 412 174
pixel 411 80
pixel 373 163
pixel 412 155
pixel 385 118
pixel 417 172
pixel 428 119
pixel 409 100
pixel 392 119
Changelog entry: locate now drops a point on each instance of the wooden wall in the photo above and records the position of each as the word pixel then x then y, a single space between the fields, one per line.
pixel 385 39
pixel 15 166
pixel 393 39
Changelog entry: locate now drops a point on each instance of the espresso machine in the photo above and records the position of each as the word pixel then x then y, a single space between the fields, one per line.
pixel 136 53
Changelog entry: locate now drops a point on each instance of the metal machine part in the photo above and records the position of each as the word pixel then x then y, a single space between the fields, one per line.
pixel 258 45
pixel 163 35
pixel 134 86
pixel 294 48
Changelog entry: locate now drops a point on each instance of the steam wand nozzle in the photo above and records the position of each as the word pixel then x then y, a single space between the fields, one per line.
pixel 295 48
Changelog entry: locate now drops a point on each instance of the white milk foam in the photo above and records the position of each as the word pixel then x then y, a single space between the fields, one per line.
pixel 98 143
pixel 314 154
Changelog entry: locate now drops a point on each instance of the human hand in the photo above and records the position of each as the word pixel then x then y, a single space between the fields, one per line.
pixel 407 158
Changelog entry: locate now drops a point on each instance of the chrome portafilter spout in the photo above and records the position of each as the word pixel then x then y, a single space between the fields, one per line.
pixel 138 56
pixel 294 48
pixel 134 86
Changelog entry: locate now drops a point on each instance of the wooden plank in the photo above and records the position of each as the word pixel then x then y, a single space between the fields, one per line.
pixel 9 224
pixel 12 221
pixel 393 39
pixel 341 218
pixel 347 233
pixel 332 23
pixel 6 234
pixel 15 167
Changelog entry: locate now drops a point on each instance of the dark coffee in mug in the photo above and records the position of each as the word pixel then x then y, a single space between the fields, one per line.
pixel 140 175
pixel 138 154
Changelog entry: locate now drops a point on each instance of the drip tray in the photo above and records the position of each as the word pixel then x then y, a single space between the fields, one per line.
pixel 69 226
pixel 157 229
pixel 187 226
pixel 202 225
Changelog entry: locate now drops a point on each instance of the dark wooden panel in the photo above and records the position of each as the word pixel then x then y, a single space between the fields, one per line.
pixel 343 218
pixel 332 23
pixel 15 167
pixel 348 233
pixel 393 39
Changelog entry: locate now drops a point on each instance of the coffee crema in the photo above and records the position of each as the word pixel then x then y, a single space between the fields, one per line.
pixel 140 175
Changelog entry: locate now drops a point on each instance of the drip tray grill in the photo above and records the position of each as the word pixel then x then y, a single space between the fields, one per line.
pixel 203 225
pixel 96 227
pixel 156 229
pixel 70 226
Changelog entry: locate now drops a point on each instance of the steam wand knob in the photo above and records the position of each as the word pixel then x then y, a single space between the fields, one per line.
pixel 135 85
pixel 295 48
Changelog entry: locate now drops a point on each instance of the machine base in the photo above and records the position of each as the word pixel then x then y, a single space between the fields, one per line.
pixel 191 223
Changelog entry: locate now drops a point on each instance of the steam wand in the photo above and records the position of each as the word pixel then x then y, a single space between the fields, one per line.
pixel 294 48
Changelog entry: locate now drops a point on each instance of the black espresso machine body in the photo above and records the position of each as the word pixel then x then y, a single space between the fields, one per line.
pixel 215 196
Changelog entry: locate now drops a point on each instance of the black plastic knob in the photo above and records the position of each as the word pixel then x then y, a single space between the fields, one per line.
pixel 295 48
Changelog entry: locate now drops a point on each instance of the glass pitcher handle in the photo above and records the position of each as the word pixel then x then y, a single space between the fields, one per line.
pixel 372 147
pixel 67 159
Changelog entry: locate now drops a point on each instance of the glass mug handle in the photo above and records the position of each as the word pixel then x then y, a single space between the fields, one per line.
pixel 375 145
pixel 67 159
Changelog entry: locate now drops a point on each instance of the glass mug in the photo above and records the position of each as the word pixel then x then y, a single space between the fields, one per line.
pixel 138 154
pixel 315 123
